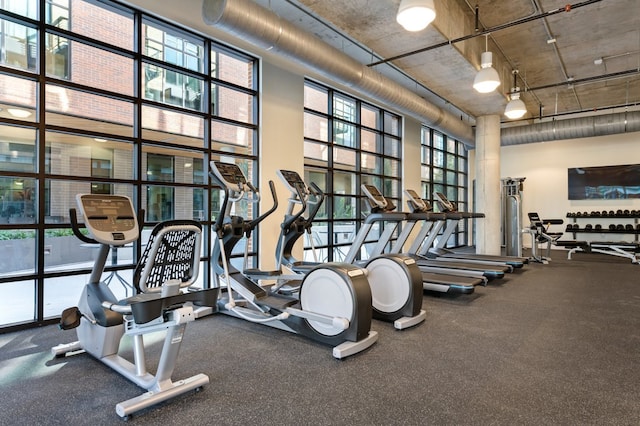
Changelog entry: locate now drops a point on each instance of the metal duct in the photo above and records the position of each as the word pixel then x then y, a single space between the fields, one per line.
pixel 263 28
pixel 584 127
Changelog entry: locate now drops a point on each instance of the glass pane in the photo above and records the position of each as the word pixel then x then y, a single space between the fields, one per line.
pixel 344 158
pixel 371 180
pixel 451 193
pixel 344 134
pixel 19 46
pixel 438 141
pixel 18 302
pixel 315 153
pixel 60 196
pixel 319 177
pixel 391 124
pixel 232 68
pixel 112 25
pixel 173 165
pixel 344 108
pixel 451 145
pixel 344 233
pixel 392 147
pixel 391 188
pixel 80 155
pixel 370 163
pixel 451 178
pixel 438 175
pixel 344 183
pixel 28 8
pixel 75 109
pixel 172 47
pixel 316 99
pixel 426 155
pixel 64 251
pixel 451 162
pixel 233 105
pixel 392 167
pixel 425 173
pixel 369 116
pixel 369 141
pixel 68 60
pixel 17 149
pixel 344 207
pixel 159 202
pixel 232 139
pixel 17 98
pixel 17 253
pixel 171 126
pixel 316 127
pixel 18 199
pixel 438 158
pixel 462 164
pixel 172 88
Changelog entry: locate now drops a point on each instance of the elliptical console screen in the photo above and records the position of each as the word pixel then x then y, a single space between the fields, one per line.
pixel 374 195
pixel 293 181
pixel 229 174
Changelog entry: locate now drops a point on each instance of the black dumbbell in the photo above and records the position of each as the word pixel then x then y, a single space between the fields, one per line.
pixel 598 227
pixel 612 227
pixel 588 227
pixel 619 227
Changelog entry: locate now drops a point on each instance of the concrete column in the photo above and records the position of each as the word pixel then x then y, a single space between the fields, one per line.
pixel 487 193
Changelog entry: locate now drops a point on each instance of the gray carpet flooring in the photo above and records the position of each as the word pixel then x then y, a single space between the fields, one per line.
pixel 554 344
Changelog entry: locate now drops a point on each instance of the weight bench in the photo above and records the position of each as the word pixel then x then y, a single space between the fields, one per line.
pixel 612 248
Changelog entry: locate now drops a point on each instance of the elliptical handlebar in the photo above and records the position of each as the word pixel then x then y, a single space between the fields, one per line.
pixel 253 223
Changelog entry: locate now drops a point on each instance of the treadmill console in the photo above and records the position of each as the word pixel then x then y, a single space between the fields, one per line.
pixel 229 175
pixel 110 219
pixel 294 182
pixel 376 199
pixel 419 204
pixel 443 201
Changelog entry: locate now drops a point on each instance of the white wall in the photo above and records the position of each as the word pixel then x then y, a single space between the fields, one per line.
pixel 545 167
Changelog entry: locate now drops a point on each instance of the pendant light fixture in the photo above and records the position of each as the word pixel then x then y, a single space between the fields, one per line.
pixel 515 108
pixel 416 15
pixel 487 80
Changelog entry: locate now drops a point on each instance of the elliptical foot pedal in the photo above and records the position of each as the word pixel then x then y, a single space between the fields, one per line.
pixel 70 318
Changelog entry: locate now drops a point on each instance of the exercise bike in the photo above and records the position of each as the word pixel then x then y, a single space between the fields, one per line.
pixel 332 303
pixel 395 279
pixel 168 265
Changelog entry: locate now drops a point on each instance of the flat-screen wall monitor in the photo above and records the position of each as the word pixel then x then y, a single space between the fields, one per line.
pixel 604 183
pixel 294 182
pixel 415 198
pixel 442 199
pixel 374 196
pixel 229 174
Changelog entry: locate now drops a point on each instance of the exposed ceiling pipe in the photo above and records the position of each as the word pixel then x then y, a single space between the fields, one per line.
pixel 263 28
pixel 575 128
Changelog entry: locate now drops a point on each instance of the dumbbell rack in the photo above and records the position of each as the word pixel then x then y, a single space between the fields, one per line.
pixel 620 228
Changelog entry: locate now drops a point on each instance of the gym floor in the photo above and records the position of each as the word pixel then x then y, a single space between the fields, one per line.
pixel 552 344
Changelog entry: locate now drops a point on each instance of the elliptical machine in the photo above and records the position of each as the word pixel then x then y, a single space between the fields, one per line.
pixel 332 304
pixel 395 280
pixel 169 263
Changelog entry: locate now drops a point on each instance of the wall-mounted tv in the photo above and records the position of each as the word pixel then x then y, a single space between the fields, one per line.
pixel 607 182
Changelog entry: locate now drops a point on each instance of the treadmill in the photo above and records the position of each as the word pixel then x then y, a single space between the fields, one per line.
pixel 452 217
pixel 421 212
pixel 381 212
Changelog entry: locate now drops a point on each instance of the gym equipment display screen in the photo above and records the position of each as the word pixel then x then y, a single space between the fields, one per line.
pixel 607 182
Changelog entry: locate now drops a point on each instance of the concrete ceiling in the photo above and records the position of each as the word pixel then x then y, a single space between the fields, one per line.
pixel 557 78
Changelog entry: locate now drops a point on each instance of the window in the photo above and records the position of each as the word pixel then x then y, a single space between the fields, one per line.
pixel 445 169
pixel 348 142
pixel 94 133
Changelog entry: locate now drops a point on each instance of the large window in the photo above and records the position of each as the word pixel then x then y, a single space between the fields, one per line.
pixel 445 169
pixel 87 111
pixel 348 143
